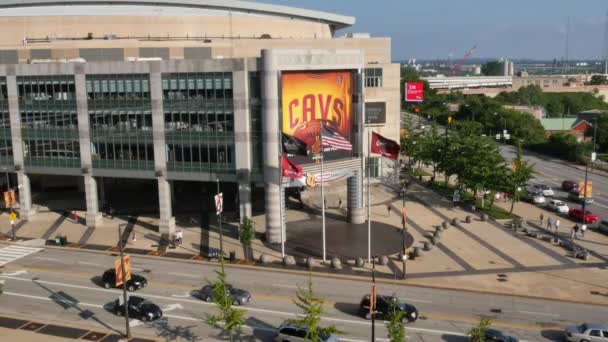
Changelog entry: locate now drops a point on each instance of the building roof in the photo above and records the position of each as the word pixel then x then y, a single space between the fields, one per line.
pixel 561 124
pixel 70 7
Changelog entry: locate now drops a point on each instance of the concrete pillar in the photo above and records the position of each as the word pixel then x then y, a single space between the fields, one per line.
pixel 167 220
pixel 356 211
pixel 93 216
pixel 270 118
pixel 242 136
pixel 88 184
pixel 26 210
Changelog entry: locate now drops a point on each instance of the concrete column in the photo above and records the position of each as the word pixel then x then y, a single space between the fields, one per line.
pixel 167 220
pixel 23 181
pixel 88 184
pixel 242 136
pixel 356 211
pixel 270 118
pixel 26 210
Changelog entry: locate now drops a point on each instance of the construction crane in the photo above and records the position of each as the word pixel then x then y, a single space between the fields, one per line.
pixel 466 56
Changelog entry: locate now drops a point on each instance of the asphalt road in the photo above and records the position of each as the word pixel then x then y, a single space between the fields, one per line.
pixel 37 287
pixel 552 172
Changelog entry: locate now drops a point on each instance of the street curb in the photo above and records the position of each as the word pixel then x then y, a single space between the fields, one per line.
pixel 336 276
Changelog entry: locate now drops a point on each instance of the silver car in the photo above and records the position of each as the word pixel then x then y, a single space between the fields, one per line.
pixel 290 332
pixel 587 332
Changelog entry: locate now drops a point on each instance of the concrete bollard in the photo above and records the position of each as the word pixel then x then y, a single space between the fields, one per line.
pixel 336 263
pixel 435 240
pixel 264 259
pixel 484 217
pixel 468 219
pixel 454 221
pixel 310 262
pixel 445 225
pixel 383 260
pixel 427 246
pixel 437 233
pixel 289 260
pixel 417 251
pixel 360 262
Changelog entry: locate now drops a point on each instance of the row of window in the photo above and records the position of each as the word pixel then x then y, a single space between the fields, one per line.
pixel 197 86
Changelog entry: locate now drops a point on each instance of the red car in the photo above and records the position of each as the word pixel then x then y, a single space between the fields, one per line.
pixel 570 185
pixel 577 214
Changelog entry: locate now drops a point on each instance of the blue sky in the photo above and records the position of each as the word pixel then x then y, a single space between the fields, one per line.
pixel 507 28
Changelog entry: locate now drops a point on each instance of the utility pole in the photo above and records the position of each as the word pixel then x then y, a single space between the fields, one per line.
pixel 124 281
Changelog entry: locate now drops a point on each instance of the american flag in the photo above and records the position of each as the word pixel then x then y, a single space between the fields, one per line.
pixel 335 140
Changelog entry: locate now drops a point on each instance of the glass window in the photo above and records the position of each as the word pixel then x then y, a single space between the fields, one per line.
pixel 595 333
pixel 373 77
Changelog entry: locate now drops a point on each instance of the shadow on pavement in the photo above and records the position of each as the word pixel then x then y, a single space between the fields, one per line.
pixel 348 308
pixel 176 332
pixel 97 280
pixel 553 335
pixel 453 338
pixel 262 331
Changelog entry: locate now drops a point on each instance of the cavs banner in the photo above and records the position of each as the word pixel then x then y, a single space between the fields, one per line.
pixel 310 98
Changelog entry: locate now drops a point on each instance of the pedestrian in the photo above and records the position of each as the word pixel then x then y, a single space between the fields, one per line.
pixel 542 219
pixel 573 231
pixel 339 203
pixel 133 237
pixel 75 217
pixel 388 208
pixel 557 223
pixel 576 228
pixel 549 223
pixel 179 237
pixel 583 230
pixel 504 196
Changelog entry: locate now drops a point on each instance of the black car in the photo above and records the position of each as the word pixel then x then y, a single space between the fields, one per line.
pixel 239 297
pixel 383 305
pixel 135 283
pixel 140 308
pixel 499 336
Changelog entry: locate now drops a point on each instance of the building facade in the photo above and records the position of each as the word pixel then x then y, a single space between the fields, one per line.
pixel 175 91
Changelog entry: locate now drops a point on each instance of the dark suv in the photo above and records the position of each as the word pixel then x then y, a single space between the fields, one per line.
pixel 383 305
pixel 135 283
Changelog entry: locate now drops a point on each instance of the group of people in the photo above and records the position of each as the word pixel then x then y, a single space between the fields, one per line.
pixel 574 231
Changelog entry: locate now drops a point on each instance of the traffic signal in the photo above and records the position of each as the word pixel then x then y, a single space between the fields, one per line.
pixel 449 119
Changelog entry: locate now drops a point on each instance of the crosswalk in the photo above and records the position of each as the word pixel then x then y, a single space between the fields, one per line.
pixel 12 253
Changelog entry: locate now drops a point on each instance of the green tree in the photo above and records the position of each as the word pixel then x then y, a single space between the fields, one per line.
pixel 598 80
pixel 395 324
pixel 313 309
pixel 430 148
pixel 230 318
pixel 246 236
pixel 519 176
pixel 494 68
pixel 601 132
pixel 478 332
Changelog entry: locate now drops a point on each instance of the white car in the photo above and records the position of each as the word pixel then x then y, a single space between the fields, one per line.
pixel 558 206
pixel 543 189
pixel 534 197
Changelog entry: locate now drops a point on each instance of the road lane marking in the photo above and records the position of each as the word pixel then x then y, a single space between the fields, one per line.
pixel 185 275
pixel 415 300
pixel 57 299
pixel 284 285
pixel 538 313
pixel 46 259
pixel 88 263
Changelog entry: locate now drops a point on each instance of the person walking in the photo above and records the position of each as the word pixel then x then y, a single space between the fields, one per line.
pixel 573 231
pixel 541 219
pixel 576 228
pixel 549 223
pixel 583 230
pixel 179 237
pixel 557 223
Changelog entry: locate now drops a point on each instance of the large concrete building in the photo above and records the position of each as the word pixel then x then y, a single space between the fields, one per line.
pixel 177 91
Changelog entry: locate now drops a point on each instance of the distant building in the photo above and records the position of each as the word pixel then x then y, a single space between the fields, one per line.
pixel 573 125
pixel 549 81
pixel 538 112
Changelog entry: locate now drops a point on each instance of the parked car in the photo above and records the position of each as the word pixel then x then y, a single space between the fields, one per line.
pixel 289 332
pixel 558 206
pixel 569 185
pixel 587 332
pixel 603 226
pixel 239 297
pixel 574 196
pixel 383 305
pixel 135 283
pixel 543 189
pixel 139 308
pixel 577 214
pixel 534 197
pixel 499 336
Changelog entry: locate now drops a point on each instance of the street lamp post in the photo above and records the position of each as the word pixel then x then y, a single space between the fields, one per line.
pixel 584 216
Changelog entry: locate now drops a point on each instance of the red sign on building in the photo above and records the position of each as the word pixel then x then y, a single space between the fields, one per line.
pixel 414 91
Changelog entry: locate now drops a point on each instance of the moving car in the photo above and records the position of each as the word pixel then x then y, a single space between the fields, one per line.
pixel 239 297
pixel 587 332
pixel 577 214
pixel 139 308
pixel 558 206
pixel 574 196
pixel 135 283
pixel 499 336
pixel 570 185
pixel 534 197
pixel 383 305
pixel 543 189
pixel 603 226
pixel 289 332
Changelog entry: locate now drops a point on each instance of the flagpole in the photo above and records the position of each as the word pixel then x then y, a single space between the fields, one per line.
pixel 369 205
pixel 323 193
pixel 281 194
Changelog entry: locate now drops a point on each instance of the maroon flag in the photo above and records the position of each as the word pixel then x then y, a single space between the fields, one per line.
pixel 386 147
pixel 291 169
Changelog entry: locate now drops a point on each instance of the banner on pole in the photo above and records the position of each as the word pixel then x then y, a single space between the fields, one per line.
pixel 315 179
pixel 219 203
pixel 581 190
pixel 118 270
pixel 385 147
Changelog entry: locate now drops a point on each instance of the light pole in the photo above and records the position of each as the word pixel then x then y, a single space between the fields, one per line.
pixel 592 159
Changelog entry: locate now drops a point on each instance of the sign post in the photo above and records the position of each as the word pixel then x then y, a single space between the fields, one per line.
pixel 219 207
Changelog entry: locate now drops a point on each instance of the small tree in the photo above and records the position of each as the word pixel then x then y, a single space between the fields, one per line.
pixel 231 318
pixel 313 310
pixel 395 324
pixel 521 173
pixel 246 236
pixel 478 332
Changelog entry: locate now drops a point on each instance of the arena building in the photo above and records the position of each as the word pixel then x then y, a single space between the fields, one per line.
pixel 183 94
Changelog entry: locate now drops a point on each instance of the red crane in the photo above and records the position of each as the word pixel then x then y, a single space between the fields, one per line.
pixel 467 55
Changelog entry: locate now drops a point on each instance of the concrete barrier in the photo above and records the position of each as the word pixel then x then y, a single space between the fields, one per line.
pixel 310 262
pixel 360 262
pixel 289 260
pixel 383 260
pixel 336 263
pixel 264 259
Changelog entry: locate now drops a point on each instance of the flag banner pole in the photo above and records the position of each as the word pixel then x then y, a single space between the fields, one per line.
pixel 323 195
pixel 369 222
pixel 281 203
